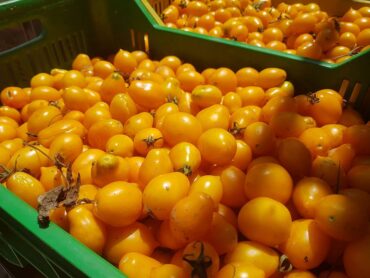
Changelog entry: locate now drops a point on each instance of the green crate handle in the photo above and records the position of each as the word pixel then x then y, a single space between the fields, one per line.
pixel 8 252
pixel 307 74
pixel 23 11
pixel 24 249
pixel 56 46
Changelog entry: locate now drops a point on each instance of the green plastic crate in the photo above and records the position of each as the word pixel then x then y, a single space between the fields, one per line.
pixel 52 251
pixel 56 31
pixel 351 78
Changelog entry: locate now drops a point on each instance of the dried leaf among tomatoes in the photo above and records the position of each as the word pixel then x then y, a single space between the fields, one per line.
pixel 60 196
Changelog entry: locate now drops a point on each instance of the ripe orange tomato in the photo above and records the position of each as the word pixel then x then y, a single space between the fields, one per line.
pixel 10 112
pixel 341 217
pixel 243 155
pixel 247 76
pixel 137 265
pixel 109 168
pixel 118 203
pixel 156 162
pixel 288 124
pixel 194 225
pixel 9 121
pixel 135 163
pixel 327 108
pixel 317 140
pixel 223 236
pixel 120 145
pixel 162 193
pixel 81 62
pixel 268 180
pixel 59 217
pixel 147 93
pixel 210 185
pixel 167 270
pixel 48 134
pixel 162 112
pixel 185 158
pixel 88 191
pixel 186 104
pixel 103 68
pixel 42 118
pixel 261 138
pixel 5 155
pixel 100 132
pixel 328 170
pixel 240 269
pixel 31 107
pixel 73 78
pixel 136 123
pixel 356 256
pixel 255 254
pixel 294 157
pixel 46 93
pixel 232 101
pixel 277 105
pixel 232 179
pixel 25 187
pixel 133 238
pixel 358 177
pixel 206 95
pixel 358 136
pixel 147 139
pixel 181 127
pixel 167 239
pixel 307 193
pixel 86 158
pixel 303 23
pixel 343 156
pixel 42 79
pixel 112 85
pixel 300 274
pixel 29 158
pixel 124 61
pixel 75 115
pixel 66 146
pixel 271 77
pixel 257 223
pixel 12 145
pixel 225 79
pixel 14 97
pixel 359 196
pixel 307 245
pixel 86 228
pixel 228 214
pixel 252 95
pixel 335 132
pixel 242 118
pixel 171 61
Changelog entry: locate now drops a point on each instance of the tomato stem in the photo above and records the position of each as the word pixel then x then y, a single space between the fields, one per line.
pixel 33 146
pixel 284 264
pixel 186 170
pixel 235 129
pixel 150 140
pixel 200 264
pixel 337 185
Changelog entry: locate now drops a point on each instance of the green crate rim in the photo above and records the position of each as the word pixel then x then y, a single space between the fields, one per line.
pixel 59 241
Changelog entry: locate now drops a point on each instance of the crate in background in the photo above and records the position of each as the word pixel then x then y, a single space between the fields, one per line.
pixel 100 27
pixel 350 77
